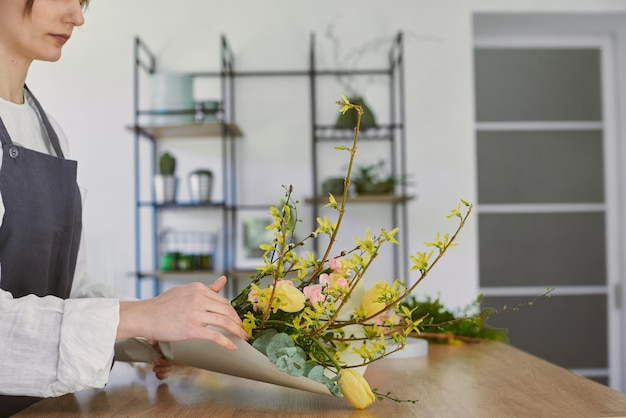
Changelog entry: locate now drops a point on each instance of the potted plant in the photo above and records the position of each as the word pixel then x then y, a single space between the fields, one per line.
pixel 353 83
pixel 200 185
pixel 370 180
pixel 165 181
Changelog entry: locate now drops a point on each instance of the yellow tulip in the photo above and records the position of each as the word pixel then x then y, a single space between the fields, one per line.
pixel 369 302
pixel 356 389
pixel 289 298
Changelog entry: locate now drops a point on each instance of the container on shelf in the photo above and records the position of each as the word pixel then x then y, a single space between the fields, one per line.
pixel 187 251
pixel 200 186
pixel 172 99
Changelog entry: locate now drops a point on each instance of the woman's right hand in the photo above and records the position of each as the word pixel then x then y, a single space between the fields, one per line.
pixel 182 313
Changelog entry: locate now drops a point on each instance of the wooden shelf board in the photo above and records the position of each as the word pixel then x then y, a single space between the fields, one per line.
pixel 193 274
pixel 188 130
pixel 374 198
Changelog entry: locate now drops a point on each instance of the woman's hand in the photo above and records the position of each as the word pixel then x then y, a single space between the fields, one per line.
pixel 182 313
pixel 161 367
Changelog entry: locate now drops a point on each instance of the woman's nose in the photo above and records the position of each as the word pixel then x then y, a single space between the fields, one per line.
pixel 74 13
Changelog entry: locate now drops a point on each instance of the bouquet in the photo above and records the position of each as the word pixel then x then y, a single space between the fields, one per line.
pixel 313 324
pixel 312 316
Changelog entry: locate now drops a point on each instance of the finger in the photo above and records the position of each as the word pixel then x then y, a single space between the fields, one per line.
pixel 218 338
pixel 155 344
pixel 218 285
pixel 225 323
pixel 226 310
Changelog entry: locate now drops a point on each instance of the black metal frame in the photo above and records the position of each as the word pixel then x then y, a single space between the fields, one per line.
pixel 394 133
pixel 142 54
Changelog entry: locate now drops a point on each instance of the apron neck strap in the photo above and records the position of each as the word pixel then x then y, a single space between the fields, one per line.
pixel 5 139
pixel 52 136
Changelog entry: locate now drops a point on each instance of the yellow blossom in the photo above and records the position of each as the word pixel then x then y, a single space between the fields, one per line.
pixel 356 389
pixel 370 303
pixel 288 298
pixel 249 323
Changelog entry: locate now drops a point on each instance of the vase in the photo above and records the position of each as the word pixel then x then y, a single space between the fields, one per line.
pixel 165 188
pixel 200 185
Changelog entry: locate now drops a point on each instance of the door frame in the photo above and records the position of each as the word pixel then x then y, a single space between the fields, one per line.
pixel 572 33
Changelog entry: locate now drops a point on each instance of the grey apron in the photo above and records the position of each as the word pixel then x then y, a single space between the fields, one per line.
pixel 40 232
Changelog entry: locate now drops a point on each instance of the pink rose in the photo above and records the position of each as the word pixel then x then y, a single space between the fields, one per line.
pixel 324 279
pixel 252 297
pixel 335 263
pixel 342 282
pixel 314 293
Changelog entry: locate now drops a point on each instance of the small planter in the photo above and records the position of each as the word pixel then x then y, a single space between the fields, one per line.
pixel 165 188
pixel 349 119
pixel 200 186
pixel 375 188
pixel 333 185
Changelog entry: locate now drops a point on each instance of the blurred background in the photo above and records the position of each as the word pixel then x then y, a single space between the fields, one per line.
pixel 515 106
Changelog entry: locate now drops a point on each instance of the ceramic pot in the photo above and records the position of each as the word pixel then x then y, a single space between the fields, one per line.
pixel 165 188
pixel 200 185
pixel 370 187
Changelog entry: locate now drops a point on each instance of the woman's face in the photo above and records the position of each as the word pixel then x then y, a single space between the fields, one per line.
pixel 40 34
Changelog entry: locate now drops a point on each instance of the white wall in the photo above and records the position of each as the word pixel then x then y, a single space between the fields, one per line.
pixel 90 92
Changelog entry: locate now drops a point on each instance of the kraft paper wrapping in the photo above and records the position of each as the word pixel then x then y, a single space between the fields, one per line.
pixel 246 362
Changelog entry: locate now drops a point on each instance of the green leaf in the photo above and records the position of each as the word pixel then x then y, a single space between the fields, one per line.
pixel 291 360
pixel 316 374
pixel 277 342
pixel 262 339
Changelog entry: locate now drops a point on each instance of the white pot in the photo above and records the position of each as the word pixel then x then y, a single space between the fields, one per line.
pixel 200 185
pixel 165 188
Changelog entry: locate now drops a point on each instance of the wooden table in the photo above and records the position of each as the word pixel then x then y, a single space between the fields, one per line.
pixel 476 380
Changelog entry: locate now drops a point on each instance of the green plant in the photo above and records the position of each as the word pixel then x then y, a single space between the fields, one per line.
pixel 369 179
pixel 167 164
pixel 444 326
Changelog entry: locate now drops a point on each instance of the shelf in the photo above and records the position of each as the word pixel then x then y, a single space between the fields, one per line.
pixel 377 133
pixel 192 274
pixel 181 205
pixel 188 130
pixel 374 198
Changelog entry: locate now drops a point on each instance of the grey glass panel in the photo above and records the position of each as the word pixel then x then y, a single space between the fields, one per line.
pixel 545 249
pixel 537 84
pixel 570 331
pixel 540 167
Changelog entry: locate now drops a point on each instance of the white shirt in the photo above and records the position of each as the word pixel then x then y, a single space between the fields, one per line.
pixel 50 346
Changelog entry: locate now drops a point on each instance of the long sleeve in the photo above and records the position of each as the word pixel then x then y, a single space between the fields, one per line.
pixel 50 346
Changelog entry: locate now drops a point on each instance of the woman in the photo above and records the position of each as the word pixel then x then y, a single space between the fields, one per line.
pixel 57 328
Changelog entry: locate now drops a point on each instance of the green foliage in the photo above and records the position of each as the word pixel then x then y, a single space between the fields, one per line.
pixel 167 164
pixel 447 326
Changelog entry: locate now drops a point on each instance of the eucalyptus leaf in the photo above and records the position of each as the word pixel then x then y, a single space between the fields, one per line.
pixel 291 360
pixel 262 339
pixel 316 374
pixel 278 341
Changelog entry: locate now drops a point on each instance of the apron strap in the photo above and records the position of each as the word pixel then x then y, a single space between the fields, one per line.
pixel 5 139
pixel 52 136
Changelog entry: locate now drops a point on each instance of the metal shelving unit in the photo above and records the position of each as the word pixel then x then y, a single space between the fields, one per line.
pixel 227 130
pixel 224 131
pixel 392 133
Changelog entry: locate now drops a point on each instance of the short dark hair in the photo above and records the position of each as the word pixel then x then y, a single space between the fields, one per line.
pixel 29 5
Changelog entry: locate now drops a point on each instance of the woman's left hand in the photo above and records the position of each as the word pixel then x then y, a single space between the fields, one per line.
pixel 162 367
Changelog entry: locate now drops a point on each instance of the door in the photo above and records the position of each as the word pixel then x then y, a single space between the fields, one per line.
pixel 547 197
